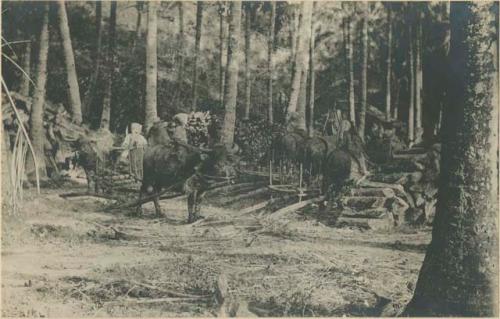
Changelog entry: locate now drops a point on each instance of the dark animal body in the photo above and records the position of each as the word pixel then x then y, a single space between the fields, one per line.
pixel 172 164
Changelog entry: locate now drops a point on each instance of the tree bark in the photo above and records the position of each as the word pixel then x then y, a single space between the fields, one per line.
pixel 222 53
pixel 248 85
pixel 180 43
pixel 69 59
pixel 106 104
pixel 270 68
pixel 25 84
pixel 350 57
pixel 312 75
pixel 364 73
pixel 411 110
pixel 459 276
pixel 199 21
pixel 389 66
pixel 302 103
pixel 418 81
pixel 301 58
pixel 234 58
pixel 90 93
pixel 36 117
pixel 294 30
pixel 152 65
pixel 139 6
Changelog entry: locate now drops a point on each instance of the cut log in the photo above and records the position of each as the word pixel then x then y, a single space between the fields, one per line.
pixel 379 192
pixel 230 188
pixel 384 223
pixel 398 189
pixel 291 208
pixel 413 157
pixel 363 202
pixel 255 207
pixel 366 213
pixel 400 178
pixel 244 196
pixel 414 150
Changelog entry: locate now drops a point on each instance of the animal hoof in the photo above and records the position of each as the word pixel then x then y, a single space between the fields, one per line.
pixel 194 219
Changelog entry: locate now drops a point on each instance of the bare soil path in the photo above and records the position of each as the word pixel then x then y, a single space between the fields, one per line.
pixel 67 258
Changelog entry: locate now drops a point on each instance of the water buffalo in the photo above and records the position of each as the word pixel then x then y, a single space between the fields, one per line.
pixel 170 163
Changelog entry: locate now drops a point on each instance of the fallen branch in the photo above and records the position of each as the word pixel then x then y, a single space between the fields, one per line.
pixel 151 301
pixel 82 194
pixel 170 292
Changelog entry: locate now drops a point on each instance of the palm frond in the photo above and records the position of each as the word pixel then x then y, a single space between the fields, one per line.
pixel 19 68
pixel 21 125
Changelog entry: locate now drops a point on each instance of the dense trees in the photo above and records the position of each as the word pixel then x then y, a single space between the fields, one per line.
pixel 354 57
pixel 459 274
pixel 276 84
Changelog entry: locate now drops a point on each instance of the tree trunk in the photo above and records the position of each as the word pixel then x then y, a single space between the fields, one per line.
pixel 69 59
pixel 364 73
pixel 411 110
pixel 301 58
pixel 106 103
pixel 180 43
pixel 389 67
pixel 418 82
pixel 222 53
pixel 151 65
pixel 270 50
pixel 302 103
pixel 87 100
pixel 312 74
pixel 36 117
pixel 199 21
pixel 248 85
pixel 25 84
pixel 234 58
pixel 459 276
pixel 294 30
pixel 350 58
pixel 139 6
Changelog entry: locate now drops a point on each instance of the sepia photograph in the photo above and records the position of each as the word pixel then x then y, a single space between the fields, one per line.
pixel 249 159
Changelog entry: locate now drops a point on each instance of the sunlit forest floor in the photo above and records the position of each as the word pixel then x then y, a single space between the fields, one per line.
pixel 68 257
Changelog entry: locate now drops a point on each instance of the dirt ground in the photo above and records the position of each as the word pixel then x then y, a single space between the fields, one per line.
pixel 69 257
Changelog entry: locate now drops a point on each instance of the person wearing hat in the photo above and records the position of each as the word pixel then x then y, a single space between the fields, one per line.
pixel 134 145
pixel 178 127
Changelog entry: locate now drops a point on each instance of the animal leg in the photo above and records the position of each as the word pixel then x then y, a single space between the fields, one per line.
pixel 139 207
pixel 156 201
pixel 191 203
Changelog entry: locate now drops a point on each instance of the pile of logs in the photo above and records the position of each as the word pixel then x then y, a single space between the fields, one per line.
pixel 410 197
